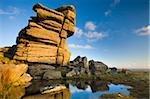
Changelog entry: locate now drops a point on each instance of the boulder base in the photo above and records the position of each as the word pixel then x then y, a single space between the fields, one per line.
pixel 52 74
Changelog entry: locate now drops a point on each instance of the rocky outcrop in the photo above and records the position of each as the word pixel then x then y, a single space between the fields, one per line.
pixel 96 67
pixel 44 39
pixel 72 73
pixel 80 61
pixel 81 65
pixel 42 45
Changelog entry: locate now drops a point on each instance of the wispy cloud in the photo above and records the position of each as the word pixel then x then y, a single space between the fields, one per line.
pixel 90 25
pixel 77 46
pixel 91 36
pixel 78 32
pixel 90 33
pixel 9 11
pixel 107 13
pixel 143 31
pixel 112 5
pixel 95 35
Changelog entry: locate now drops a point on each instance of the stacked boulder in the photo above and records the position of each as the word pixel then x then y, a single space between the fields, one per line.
pixel 81 65
pixel 44 39
pixel 80 61
pixel 97 67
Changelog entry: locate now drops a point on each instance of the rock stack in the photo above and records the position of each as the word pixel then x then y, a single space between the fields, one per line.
pixel 44 39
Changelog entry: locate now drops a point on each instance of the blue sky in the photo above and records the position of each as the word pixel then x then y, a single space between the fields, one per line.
pixel 115 32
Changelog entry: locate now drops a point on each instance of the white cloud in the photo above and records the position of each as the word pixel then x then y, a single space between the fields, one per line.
pixel 9 11
pixel 107 13
pixel 78 32
pixel 76 46
pixel 90 25
pixel 91 36
pixel 95 35
pixel 143 31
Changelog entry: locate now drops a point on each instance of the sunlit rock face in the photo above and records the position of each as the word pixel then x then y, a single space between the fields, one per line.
pixel 44 39
pixel 13 80
pixel 14 75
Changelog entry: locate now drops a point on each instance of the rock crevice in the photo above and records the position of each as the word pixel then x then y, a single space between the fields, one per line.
pixel 44 39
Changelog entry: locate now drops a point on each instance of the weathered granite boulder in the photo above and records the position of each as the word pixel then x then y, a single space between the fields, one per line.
pixel 85 62
pixel 52 74
pixel 77 60
pixel 44 39
pixel 80 61
pixel 96 67
pixel 37 70
pixel 72 73
pixel 80 65
pixel 76 71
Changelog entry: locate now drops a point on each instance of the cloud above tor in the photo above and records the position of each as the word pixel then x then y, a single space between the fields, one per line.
pixel 90 26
